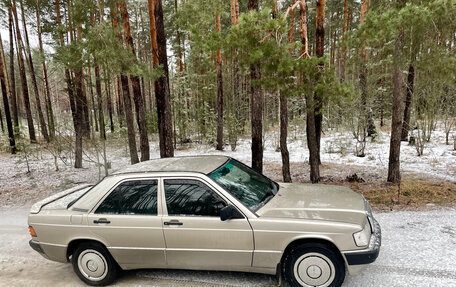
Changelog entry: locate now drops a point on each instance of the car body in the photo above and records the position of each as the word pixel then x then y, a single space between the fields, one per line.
pixel 206 213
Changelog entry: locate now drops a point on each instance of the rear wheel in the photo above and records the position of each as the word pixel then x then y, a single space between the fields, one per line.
pixel 313 264
pixel 93 264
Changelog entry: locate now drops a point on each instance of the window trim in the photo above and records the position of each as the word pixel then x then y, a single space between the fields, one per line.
pixel 113 188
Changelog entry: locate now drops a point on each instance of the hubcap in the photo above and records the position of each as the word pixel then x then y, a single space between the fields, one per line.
pixel 92 265
pixel 314 269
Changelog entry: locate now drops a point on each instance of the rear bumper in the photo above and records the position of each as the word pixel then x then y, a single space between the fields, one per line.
pixel 356 259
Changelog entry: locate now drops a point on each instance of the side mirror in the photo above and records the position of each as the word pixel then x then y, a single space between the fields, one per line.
pixel 230 212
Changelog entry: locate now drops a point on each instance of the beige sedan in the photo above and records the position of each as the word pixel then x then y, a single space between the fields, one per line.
pixel 206 213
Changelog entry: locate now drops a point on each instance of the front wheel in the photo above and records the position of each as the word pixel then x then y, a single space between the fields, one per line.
pixel 93 264
pixel 313 264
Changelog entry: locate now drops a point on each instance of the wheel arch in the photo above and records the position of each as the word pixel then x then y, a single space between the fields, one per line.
pixel 300 241
pixel 77 241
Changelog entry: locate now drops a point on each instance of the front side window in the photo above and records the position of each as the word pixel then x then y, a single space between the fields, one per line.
pixel 191 197
pixel 131 197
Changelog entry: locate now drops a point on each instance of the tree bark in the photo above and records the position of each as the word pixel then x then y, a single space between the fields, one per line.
pixel 256 108
pixel 23 76
pixel 136 85
pixel 47 96
pixel 28 54
pixel 219 90
pixel 283 138
pixel 12 68
pixel 363 77
pixel 9 123
pixel 408 102
pixel 93 120
pixel 79 105
pixel 162 94
pixel 100 101
pixel 126 100
pixel 394 174
pixel 344 50
pixel 1 121
pixel 319 51
pixel 109 99
pixel 283 107
pixel 70 87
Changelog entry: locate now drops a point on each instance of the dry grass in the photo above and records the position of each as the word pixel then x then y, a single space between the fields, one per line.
pixel 410 193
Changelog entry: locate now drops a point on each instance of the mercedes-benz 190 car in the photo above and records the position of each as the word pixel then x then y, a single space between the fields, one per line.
pixel 206 213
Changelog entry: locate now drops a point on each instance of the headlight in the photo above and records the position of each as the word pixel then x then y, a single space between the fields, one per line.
pixel 362 237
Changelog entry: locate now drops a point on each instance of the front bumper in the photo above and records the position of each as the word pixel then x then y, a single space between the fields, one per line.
pixel 370 254
pixel 36 246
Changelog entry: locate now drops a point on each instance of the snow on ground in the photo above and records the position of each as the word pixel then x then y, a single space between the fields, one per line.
pixel 337 154
pixel 418 249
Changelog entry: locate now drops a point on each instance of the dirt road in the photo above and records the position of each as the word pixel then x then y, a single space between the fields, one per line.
pixel 419 249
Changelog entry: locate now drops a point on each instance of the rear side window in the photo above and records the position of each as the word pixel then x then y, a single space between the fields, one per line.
pixel 131 197
pixel 191 197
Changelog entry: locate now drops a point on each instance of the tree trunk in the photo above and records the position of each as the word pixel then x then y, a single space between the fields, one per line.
pixel 126 100
pixel 95 118
pixel 100 101
pixel 394 174
pixel 236 81
pixel 284 115
pixel 23 76
pixel 311 134
pixel 162 94
pixel 109 99
pixel 79 105
pixel 344 50
pixel 47 96
pixel 136 85
pixel 219 91
pixel 1 121
pixel 9 123
pixel 84 110
pixel 319 51
pixel 28 53
pixel 70 87
pixel 283 139
pixel 257 108
pixel 367 124
pixel 12 78
pixel 408 102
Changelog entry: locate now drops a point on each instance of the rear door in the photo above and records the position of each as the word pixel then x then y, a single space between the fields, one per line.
pixel 195 236
pixel 129 221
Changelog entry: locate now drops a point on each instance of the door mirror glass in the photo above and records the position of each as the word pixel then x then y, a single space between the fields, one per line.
pixel 230 212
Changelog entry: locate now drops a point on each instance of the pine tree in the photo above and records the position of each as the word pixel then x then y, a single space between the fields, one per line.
pixel 138 97
pixel 23 77
pixel 256 107
pixel 162 93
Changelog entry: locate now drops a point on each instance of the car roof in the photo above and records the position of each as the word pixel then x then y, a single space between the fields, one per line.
pixel 202 164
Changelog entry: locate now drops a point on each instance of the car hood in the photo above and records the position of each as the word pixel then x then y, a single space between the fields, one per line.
pixel 316 201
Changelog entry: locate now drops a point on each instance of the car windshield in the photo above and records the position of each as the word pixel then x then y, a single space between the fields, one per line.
pixel 250 187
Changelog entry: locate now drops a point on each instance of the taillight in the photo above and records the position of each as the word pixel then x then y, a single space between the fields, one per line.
pixel 32 231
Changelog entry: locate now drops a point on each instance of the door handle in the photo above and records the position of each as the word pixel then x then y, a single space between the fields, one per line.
pixel 172 223
pixel 102 220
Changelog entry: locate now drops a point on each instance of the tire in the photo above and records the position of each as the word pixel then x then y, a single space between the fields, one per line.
pixel 313 264
pixel 93 264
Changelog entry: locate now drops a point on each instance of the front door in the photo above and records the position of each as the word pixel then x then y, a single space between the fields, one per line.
pixel 128 221
pixel 195 236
